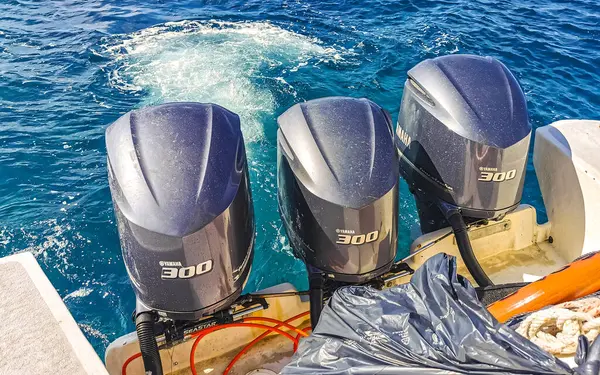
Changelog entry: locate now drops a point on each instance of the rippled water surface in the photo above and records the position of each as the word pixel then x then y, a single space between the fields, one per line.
pixel 70 68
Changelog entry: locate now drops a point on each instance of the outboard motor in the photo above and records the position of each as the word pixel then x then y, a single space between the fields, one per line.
pixel 463 135
pixel 338 190
pixel 179 181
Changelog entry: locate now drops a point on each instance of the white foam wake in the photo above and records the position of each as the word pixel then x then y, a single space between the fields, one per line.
pixel 239 65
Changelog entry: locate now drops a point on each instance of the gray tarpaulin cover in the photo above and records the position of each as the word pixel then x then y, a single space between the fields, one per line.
pixel 433 325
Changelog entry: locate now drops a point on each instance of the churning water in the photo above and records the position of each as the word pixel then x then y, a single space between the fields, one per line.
pixel 69 68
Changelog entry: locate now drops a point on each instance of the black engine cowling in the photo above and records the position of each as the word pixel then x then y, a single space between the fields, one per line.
pixel 463 136
pixel 338 186
pixel 179 181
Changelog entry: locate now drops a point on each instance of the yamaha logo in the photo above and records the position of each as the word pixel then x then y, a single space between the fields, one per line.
pixel 403 136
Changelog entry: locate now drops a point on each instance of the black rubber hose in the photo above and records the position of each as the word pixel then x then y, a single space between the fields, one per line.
pixel 315 282
pixel 144 325
pixel 463 242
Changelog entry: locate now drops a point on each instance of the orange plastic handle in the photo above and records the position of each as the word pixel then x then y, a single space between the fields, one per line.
pixel 576 280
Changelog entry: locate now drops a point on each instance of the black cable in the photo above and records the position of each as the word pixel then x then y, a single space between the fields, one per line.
pixel 463 243
pixel 144 326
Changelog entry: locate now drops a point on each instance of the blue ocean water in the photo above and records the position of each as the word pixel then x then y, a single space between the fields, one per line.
pixel 68 68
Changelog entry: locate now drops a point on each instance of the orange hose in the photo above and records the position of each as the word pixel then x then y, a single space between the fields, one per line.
pixel 253 342
pixel 298 337
pixel 576 280
pixel 278 322
pixel 128 361
pixel 206 331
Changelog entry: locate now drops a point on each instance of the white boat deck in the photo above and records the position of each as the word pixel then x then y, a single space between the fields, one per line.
pixel 38 334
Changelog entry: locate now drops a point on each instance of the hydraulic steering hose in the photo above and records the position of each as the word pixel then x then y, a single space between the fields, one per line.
pixel 144 325
pixel 463 242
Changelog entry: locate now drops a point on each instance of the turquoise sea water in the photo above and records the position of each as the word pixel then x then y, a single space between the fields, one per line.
pixel 70 68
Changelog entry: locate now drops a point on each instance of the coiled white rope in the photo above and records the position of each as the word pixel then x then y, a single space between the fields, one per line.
pixel 556 329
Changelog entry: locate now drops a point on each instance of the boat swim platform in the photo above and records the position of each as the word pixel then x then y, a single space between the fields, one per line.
pixel 39 335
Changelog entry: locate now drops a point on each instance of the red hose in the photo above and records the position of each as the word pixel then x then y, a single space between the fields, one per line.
pixel 278 322
pixel 263 335
pixel 128 361
pixel 304 330
pixel 206 331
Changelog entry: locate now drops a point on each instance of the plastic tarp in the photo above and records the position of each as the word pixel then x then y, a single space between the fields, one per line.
pixel 433 325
